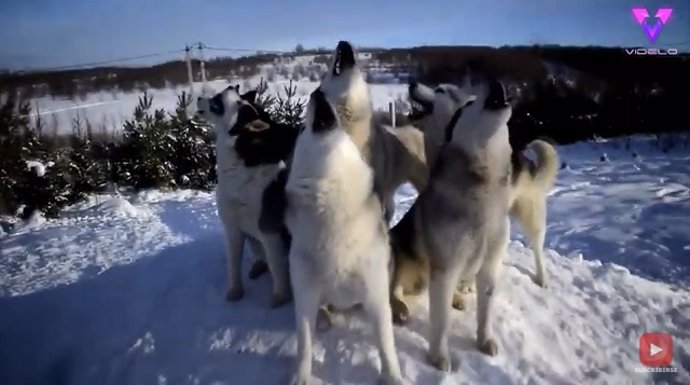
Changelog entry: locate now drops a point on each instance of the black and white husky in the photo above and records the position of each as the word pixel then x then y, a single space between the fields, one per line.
pixel 340 252
pixel 250 152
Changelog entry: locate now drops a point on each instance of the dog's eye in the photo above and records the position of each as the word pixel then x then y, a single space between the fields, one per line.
pixel 440 90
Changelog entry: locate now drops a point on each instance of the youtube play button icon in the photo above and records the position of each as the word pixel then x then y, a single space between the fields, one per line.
pixel 656 349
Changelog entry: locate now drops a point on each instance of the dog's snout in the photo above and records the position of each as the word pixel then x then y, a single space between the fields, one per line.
pixel 344 57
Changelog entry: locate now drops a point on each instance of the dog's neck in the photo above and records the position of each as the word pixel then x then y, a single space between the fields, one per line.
pixel 491 153
pixel 357 122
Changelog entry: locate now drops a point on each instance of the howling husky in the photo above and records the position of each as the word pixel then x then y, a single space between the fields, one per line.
pixel 340 251
pixel 436 111
pixel 395 154
pixel 250 152
pixel 459 224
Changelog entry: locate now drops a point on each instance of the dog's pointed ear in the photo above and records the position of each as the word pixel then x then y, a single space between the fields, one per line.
pixel 237 88
pixel 249 96
pixel 258 125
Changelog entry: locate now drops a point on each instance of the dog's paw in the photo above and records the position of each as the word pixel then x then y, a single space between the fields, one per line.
pixel 458 301
pixel 259 268
pixel 235 294
pixel 280 299
pixel 323 319
pixel 400 311
pixel 488 347
pixel 439 362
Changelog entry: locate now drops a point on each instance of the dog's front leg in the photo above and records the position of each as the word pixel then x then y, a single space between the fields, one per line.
pixel 441 289
pixel 234 243
pixel 307 301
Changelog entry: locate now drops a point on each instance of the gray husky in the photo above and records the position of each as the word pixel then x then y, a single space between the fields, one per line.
pixel 459 224
pixel 436 111
pixel 396 155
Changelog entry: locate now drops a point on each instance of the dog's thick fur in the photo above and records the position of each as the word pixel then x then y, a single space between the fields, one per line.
pixel 395 154
pixel 340 250
pixel 459 224
pixel 436 111
pixel 249 152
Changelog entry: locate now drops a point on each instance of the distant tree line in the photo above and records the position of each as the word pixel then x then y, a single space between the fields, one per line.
pixel 567 93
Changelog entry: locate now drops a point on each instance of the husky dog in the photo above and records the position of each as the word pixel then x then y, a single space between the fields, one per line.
pixel 436 112
pixel 396 155
pixel 340 249
pixel 459 224
pixel 249 152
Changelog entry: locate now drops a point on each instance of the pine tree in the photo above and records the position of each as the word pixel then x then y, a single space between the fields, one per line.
pixel 87 171
pixel 43 188
pixel 264 100
pixel 193 158
pixel 146 148
pixel 14 121
pixel 289 109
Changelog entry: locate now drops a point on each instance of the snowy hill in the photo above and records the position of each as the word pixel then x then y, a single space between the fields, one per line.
pixel 130 290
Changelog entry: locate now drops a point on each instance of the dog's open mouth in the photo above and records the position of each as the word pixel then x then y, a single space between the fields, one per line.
pixel 344 58
pixel 497 97
pixel 419 108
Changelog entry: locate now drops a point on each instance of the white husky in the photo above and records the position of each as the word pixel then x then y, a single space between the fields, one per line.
pixel 340 252
pixel 395 154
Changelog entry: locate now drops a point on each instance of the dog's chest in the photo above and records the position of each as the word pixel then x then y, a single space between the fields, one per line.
pixel 329 166
pixel 241 187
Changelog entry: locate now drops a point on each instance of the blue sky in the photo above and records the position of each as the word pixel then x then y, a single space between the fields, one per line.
pixel 45 33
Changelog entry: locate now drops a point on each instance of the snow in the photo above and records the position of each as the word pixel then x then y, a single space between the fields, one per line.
pixel 130 290
pixel 629 211
pixel 38 167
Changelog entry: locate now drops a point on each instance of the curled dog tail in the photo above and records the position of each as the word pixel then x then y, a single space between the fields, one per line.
pixel 547 164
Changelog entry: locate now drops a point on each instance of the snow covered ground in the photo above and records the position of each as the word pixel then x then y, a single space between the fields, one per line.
pixel 131 291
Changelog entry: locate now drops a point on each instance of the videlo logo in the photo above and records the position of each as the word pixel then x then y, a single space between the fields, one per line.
pixel 652 27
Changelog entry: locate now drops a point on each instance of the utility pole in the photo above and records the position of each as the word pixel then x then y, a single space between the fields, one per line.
pixel 391 111
pixel 190 74
pixel 203 63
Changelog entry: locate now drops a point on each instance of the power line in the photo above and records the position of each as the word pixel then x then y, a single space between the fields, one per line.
pixel 244 50
pixel 103 62
pixel 199 45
